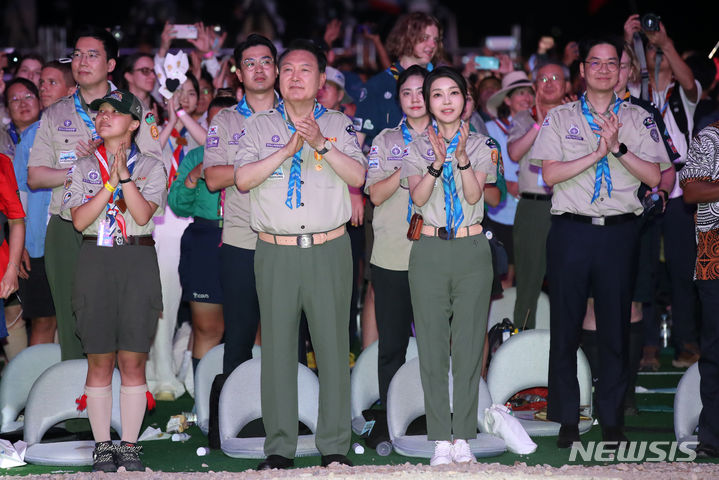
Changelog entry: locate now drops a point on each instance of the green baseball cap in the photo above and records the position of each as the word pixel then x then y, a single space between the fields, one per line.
pixel 123 101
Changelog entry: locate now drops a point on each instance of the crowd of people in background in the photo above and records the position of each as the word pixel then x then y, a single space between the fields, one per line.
pixel 432 184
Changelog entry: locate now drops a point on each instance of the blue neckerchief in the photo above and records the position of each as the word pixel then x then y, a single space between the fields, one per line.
pixel 407 136
pixel 452 205
pixel 12 131
pixel 295 184
pixel 603 164
pixel 243 108
pixel 85 117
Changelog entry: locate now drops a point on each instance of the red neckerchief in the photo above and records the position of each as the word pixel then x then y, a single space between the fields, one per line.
pixel 180 142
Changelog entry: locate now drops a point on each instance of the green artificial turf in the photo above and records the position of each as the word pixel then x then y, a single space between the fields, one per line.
pixel 654 423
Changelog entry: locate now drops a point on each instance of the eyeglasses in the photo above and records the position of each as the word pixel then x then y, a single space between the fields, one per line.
pixel 28 97
pixel 596 65
pixel 92 56
pixel 264 62
pixel 146 71
pixel 550 78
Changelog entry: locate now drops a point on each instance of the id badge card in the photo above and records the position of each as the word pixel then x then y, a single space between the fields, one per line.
pixel 104 234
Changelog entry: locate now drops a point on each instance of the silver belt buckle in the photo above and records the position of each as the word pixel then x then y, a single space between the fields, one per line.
pixel 119 241
pixel 306 240
pixel 598 221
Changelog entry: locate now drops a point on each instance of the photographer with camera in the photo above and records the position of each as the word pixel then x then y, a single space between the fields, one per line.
pixel 675 92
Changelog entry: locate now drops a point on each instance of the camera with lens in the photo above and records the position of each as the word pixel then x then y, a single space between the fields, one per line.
pixel 650 22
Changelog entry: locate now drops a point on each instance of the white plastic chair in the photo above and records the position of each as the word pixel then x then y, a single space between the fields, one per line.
pixel 18 378
pixel 52 400
pixel 405 403
pixel 687 405
pixel 240 403
pixel 210 365
pixel 522 362
pixel 365 382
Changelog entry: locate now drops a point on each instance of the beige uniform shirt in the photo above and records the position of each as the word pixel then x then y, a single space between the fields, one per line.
pixel 84 181
pixel 565 135
pixel 389 221
pixel 483 156
pixel 223 140
pixel 325 197
pixel 61 127
pixel 530 176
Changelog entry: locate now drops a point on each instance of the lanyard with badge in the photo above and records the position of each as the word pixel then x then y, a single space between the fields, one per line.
pixel 116 204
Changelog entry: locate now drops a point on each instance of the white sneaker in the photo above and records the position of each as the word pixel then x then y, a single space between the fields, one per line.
pixel 461 453
pixel 442 453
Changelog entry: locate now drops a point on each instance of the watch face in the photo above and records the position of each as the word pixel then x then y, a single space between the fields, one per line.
pixel 328 145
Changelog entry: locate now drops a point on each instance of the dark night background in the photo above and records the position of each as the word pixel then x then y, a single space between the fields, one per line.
pixel 692 24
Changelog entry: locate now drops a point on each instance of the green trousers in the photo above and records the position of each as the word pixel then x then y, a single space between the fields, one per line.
pixel 62 247
pixel 450 282
pixel 317 280
pixel 531 227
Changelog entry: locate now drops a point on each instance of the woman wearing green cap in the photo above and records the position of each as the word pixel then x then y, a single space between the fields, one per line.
pixel 112 196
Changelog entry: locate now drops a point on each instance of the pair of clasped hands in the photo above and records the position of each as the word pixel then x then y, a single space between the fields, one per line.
pixel 440 146
pixel 307 130
pixel 608 133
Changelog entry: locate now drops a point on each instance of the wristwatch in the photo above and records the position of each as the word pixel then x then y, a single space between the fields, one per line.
pixel 622 151
pixel 326 148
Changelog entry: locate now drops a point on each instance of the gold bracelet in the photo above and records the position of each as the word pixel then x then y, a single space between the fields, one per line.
pixel 109 187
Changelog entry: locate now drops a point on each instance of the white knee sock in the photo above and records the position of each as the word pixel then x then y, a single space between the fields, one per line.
pixel 99 410
pixel 133 401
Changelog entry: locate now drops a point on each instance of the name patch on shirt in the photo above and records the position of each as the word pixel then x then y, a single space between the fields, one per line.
pixel 278 173
pixel 212 142
pixel 68 157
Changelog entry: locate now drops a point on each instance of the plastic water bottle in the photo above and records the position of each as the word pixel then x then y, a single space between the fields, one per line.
pixel 180 437
pixel 384 448
pixel 665 330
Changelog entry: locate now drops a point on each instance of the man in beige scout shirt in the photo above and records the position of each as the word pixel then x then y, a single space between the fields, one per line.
pixel 596 162
pixel 297 161
pixel 64 125
pixel 531 223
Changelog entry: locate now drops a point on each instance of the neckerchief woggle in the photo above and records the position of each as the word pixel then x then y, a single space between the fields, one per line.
pixel 112 213
pixel 177 154
pixel 84 116
pixel 295 185
pixel 452 205
pixel 603 164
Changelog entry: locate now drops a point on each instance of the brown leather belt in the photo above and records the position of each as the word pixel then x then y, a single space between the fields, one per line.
pixel 306 240
pixel 442 232
pixel 144 240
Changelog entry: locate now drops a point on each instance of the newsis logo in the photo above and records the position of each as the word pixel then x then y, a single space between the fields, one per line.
pixel 633 452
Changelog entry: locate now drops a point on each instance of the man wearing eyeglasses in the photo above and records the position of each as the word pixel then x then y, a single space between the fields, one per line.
pixel 66 126
pixel 531 222
pixel 595 152
pixel 257 71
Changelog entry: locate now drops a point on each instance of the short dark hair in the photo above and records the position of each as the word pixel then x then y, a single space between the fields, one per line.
pixel 108 41
pixel 414 70
pixel 444 72
pixel 587 44
pixel 22 81
pixel 308 46
pixel 254 40
pixel 222 102
pixel 31 56
pixel 63 68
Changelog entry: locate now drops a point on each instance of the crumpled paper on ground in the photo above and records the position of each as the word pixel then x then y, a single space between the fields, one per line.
pixel 499 421
pixel 12 455
pixel 151 433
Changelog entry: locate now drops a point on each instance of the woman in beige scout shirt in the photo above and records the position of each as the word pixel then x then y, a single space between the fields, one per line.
pixel 112 196
pixel 450 266
pixel 393 209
